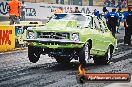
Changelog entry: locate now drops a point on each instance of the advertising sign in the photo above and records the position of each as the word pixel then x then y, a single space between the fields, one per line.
pixel 42 11
pixel 7 38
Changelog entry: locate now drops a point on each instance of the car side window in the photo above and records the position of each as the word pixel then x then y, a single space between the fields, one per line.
pixel 96 24
pixel 80 20
pixel 88 22
pixel 103 25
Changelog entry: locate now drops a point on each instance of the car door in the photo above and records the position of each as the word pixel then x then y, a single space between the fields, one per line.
pixel 97 35
pixel 107 37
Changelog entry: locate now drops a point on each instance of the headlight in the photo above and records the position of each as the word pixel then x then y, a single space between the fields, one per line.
pixel 75 37
pixel 31 35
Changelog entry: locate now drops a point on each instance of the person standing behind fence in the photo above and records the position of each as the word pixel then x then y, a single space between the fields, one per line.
pixel 119 4
pixel 124 3
pixel 59 10
pixel 128 26
pixel 104 10
pixel 14 12
pixel 120 19
pixel 112 3
pixel 96 13
pixel 112 21
pixel 23 11
pixel 76 10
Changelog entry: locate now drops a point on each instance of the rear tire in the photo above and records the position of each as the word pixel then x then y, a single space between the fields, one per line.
pixel 33 54
pixel 104 60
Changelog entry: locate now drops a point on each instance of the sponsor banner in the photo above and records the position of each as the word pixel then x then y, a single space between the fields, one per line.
pixel 84 77
pixel 42 11
pixel 7 38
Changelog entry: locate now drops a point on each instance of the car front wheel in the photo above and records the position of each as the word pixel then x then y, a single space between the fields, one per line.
pixel 104 60
pixel 33 54
pixel 84 54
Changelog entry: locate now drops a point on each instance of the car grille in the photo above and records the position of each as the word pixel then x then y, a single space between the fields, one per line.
pixel 53 35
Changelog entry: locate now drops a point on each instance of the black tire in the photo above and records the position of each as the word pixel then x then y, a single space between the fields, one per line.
pixel 33 54
pixel 104 60
pixel 82 55
pixel 63 60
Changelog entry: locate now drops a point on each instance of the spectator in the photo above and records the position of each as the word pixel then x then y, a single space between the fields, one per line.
pixel 112 3
pixel 23 11
pixel 112 20
pixel 107 3
pixel 14 12
pixel 124 3
pixel 61 1
pixel 77 10
pixel 96 13
pixel 119 4
pixel 128 26
pixel 105 10
pixel 120 19
pixel 59 10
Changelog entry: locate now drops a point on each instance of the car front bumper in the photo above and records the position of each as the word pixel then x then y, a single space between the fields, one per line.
pixel 53 43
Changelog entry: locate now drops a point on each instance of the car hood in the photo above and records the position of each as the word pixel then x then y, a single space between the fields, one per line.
pixel 62 23
pixel 58 26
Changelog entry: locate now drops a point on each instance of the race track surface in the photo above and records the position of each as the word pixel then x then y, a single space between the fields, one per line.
pixel 17 71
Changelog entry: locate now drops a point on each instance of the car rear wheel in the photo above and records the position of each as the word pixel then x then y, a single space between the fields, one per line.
pixel 63 60
pixel 104 60
pixel 84 54
pixel 33 54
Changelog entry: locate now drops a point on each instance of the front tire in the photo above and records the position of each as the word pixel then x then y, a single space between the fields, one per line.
pixel 84 54
pixel 104 60
pixel 33 54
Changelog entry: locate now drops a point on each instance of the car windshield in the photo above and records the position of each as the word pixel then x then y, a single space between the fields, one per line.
pixel 81 20
pixel 59 16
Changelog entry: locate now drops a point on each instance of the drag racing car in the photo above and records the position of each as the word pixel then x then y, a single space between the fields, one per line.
pixel 70 36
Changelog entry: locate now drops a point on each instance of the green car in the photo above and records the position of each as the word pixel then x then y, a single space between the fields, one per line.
pixel 70 36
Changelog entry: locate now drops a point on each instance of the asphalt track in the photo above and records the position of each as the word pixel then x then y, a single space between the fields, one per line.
pixel 17 71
